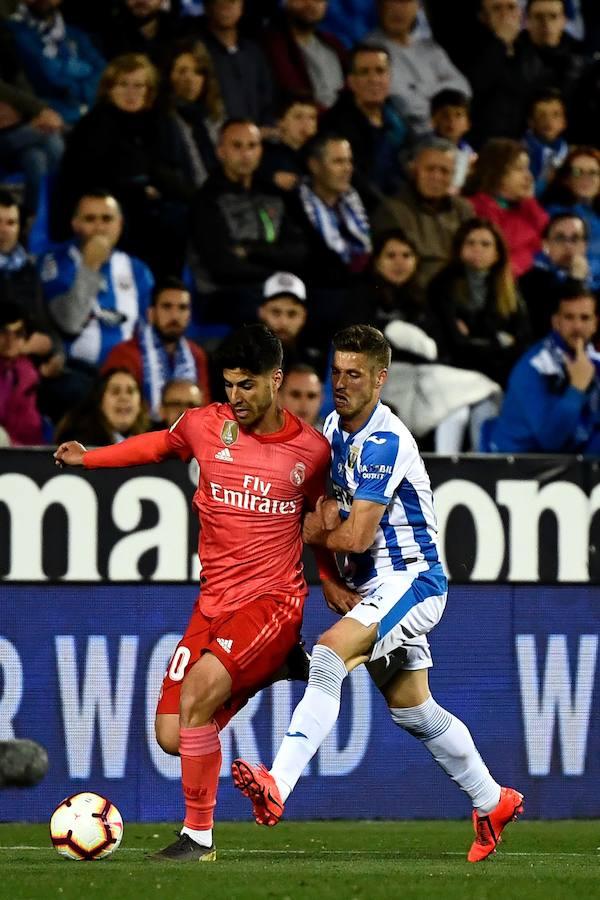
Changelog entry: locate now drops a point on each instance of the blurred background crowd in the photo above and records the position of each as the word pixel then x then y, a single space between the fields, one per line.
pixel 171 169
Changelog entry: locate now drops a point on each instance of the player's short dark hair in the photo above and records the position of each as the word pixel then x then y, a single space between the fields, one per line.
pixel 253 348
pixel 449 97
pixel 364 339
pixel 7 199
pixel 170 283
pixel 563 217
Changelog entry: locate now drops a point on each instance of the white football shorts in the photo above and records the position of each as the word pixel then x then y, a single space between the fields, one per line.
pixel 405 607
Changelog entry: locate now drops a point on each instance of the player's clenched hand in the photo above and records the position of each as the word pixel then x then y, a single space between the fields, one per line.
pixel 325 518
pixel 329 511
pixel 313 531
pixel 339 597
pixel 70 454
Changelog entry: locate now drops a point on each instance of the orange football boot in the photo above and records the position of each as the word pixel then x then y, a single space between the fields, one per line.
pixel 257 783
pixel 489 828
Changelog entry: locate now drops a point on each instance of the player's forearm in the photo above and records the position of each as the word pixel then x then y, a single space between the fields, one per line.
pixel 135 451
pixel 346 539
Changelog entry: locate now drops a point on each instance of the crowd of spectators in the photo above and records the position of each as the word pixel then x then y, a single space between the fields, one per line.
pixel 171 169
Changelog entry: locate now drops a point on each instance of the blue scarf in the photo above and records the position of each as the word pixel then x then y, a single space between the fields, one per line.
pixel 13 261
pixel 349 212
pixel 158 367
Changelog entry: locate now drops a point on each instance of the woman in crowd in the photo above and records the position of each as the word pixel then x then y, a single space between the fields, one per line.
pixel 131 147
pixel 502 190
pixel 483 319
pixel 113 411
pixel 192 92
pixel 576 189
pixel 389 292
pixel 427 395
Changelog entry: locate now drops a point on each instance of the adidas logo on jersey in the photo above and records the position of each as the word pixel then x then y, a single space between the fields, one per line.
pixel 224 455
pixel 225 644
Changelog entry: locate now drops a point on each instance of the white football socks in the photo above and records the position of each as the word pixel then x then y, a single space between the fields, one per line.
pixel 450 743
pixel 205 838
pixel 313 719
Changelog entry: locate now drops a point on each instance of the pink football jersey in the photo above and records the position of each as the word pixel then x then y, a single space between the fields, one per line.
pixel 251 496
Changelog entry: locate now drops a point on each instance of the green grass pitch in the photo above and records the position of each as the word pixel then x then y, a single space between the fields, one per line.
pixel 341 860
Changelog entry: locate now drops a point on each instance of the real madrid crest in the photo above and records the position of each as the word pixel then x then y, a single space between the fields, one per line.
pixel 298 474
pixel 230 432
pixel 352 457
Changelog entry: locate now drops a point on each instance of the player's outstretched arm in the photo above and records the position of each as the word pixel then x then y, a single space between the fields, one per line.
pixel 135 451
pixel 70 453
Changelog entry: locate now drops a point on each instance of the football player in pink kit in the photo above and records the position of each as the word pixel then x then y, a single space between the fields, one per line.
pixel 260 469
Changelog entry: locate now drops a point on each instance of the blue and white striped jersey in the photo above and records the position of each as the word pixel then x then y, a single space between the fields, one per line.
pixel 381 463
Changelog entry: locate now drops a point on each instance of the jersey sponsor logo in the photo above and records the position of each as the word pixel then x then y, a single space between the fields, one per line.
pixel 245 499
pixel 375 472
pixel 375 440
pixel 230 432
pixel 352 457
pixel 224 455
pixel 225 643
pixel 298 474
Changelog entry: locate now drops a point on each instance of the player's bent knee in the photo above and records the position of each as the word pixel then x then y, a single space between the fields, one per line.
pixel 167 735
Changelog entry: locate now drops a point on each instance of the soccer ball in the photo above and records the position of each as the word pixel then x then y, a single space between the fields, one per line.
pixel 86 826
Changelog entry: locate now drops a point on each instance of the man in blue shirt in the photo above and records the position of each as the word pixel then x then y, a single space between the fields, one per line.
pixel 96 294
pixel 552 404
pixel 564 259
pixel 61 62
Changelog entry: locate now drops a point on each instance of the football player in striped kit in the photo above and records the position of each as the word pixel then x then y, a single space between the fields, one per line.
pixel 385 523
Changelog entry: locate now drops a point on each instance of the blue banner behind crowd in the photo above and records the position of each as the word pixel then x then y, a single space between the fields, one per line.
pixel 80 668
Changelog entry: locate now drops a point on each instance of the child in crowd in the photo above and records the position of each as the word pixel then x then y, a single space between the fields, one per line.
pixel 282 161
pixel 450 118
pixel 544 138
